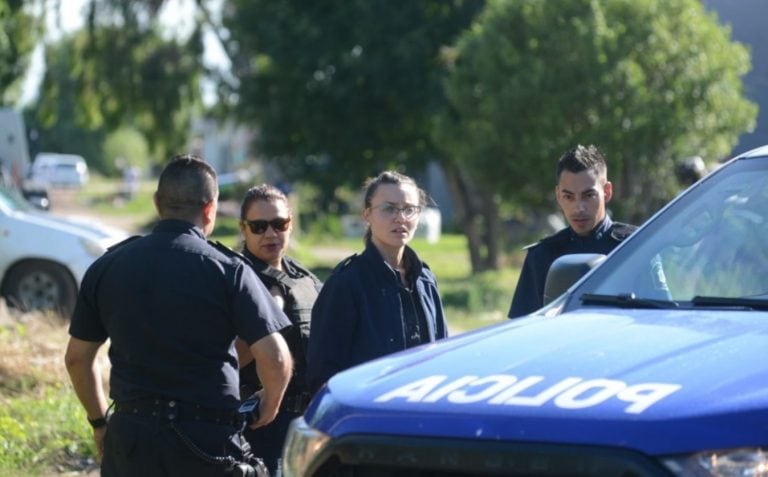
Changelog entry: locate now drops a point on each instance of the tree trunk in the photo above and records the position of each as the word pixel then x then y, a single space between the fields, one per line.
pixel 492 230
pixel 477 214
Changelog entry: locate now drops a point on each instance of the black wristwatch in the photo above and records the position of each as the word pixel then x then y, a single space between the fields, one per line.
pixel 97 423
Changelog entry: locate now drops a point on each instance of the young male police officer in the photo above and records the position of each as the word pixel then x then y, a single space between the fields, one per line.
pixel 172 303
pixel 582 191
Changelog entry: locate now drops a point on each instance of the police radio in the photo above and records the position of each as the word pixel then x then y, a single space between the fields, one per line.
pixel 249 410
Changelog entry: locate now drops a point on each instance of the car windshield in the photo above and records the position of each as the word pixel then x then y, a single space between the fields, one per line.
pixel 706 249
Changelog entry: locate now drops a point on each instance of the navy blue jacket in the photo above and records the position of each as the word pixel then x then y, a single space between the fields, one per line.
pixel 171 304
pixel 358 315
pixel 529 294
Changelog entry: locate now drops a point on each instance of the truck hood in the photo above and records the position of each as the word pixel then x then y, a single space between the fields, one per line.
pixel 659 381
pixel 78 225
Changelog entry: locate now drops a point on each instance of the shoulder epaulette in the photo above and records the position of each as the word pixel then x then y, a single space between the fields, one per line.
pixel 123 242
pixel 297 266
pixel 345 263
pixel 228 251
pixel 303 270
pixel 531 245
pixel 556 237
pixel 620 231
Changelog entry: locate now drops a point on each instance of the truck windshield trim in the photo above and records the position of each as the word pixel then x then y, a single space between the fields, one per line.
pixel 750 303
pixel 627 300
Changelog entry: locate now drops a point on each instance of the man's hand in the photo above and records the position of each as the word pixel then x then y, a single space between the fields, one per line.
pixel 85 374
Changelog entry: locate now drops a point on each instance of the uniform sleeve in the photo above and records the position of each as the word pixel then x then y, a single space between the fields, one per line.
pixel 86 324
pixel 335 317
pixel 441 325
pixel 435 307
pixel 255 312
pixel 528 297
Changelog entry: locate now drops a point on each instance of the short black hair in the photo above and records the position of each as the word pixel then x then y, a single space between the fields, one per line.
pixel 265 192
pixel 582 158
pixel 186 184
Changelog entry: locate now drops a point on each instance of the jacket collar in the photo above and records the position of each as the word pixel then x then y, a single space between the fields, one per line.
pixel 179 227
pixel 597 233
pixel 374 258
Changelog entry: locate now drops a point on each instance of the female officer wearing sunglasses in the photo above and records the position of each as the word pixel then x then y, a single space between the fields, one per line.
pixel 265 222
pixel 382 300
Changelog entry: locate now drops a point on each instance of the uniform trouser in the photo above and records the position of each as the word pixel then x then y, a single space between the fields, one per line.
pixel 267 442
pixel 148 446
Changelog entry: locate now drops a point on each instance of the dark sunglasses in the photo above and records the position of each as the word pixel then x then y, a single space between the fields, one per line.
pixel 260 226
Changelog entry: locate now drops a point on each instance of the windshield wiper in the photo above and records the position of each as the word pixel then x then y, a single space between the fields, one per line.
pixel 736 302
pixel 626 300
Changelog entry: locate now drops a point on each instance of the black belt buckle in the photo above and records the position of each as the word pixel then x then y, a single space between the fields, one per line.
pixel 174 410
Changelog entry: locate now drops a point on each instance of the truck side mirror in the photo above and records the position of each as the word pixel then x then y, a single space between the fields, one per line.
pixel 567 270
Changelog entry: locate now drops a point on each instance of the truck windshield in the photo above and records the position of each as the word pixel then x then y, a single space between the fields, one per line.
pixel 706 248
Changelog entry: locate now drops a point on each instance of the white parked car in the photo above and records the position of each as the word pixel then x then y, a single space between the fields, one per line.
pixel 59 170
pixel 43 257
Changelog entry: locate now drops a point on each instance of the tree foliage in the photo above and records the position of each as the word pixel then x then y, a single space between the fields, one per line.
pixel 124 148
pixel 18 33
pixel 649 81
pixel 345 88
pixel 125 72
pixel 52 120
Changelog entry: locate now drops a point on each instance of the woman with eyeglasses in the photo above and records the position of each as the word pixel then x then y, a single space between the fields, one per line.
pixel 265 223
pixel 382 300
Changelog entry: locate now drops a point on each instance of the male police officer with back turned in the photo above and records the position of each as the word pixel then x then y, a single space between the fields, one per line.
pixel 582 191
pixel 172 304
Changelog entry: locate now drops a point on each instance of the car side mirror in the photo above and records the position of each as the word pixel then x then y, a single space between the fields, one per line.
pixel 567 270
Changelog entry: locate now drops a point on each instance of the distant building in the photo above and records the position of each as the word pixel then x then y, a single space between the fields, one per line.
pixel 14 149
pixel 747 21
pixel 225 145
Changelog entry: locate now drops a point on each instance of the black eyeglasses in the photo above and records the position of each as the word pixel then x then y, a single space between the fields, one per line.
pixel 391 210
pixel 260 226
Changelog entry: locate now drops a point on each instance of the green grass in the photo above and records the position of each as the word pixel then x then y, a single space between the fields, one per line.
pixel 45 431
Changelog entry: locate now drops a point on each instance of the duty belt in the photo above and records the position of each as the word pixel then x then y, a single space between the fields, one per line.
pixel 179 411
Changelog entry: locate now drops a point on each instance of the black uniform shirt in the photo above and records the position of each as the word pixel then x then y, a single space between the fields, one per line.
pixel 172 303
pixel 529 294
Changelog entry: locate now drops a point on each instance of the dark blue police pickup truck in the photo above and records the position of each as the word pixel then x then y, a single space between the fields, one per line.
pixel 655 363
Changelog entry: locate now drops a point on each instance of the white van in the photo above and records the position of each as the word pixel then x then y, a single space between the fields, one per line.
pixel 62 170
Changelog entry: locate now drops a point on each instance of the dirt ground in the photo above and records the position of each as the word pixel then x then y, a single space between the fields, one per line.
pixel 65 202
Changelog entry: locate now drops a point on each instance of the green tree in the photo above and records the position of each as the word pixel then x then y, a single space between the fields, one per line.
pixel 52 119
pixel 126 147
pixel 649 81
pixel 18 33
pixel 345 88
pixel 126 72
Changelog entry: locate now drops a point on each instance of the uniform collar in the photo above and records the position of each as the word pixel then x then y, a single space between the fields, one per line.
pixel 179 226
pixel 373 255
pixel 597 233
